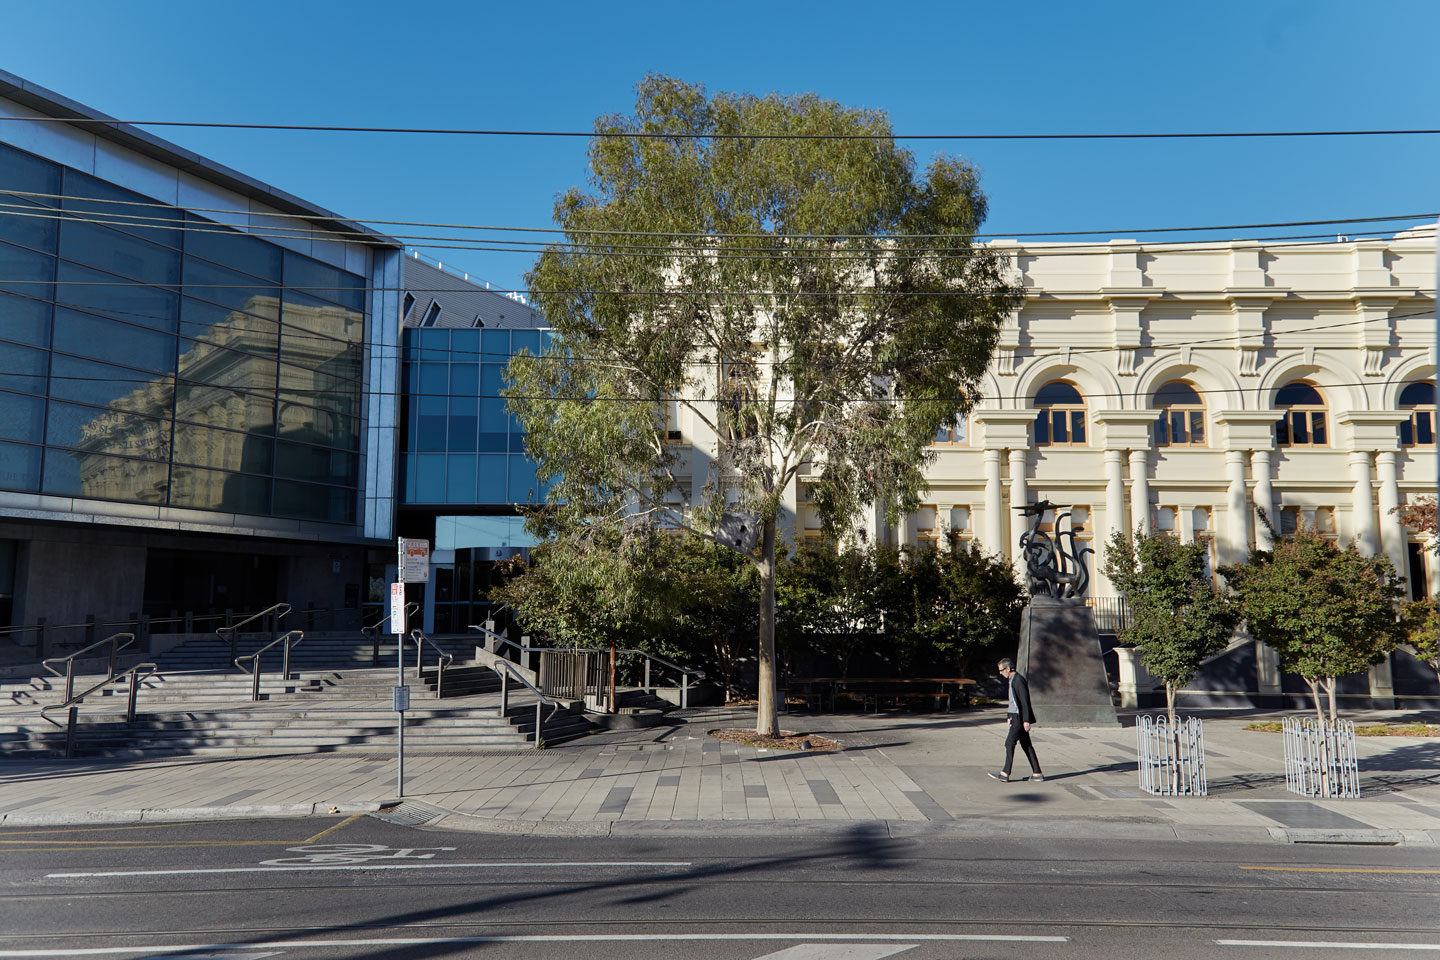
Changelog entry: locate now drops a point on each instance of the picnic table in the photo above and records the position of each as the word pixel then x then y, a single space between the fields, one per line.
pixel 815 691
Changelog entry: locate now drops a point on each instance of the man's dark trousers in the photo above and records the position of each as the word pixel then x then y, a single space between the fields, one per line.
pixel 1018 734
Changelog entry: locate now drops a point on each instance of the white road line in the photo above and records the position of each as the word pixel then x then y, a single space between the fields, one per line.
pixel 188 948
pixel 837 951
pixel 367 866
pixel 1328 945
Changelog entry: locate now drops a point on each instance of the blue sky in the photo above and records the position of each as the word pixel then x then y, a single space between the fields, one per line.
pixel 936 68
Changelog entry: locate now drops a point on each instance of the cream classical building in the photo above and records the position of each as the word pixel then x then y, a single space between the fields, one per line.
pixel 1186 386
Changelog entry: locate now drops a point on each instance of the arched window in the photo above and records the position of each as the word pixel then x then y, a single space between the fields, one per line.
pixel 1418 399
pixel 1061 420
pixel 1182 416
pixel 1303 424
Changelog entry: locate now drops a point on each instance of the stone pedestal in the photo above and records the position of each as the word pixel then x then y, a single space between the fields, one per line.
pixel 1061 660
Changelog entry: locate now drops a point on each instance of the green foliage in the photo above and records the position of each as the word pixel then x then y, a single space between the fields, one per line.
pixel 924 611
pixel 1326 612
pixel 1178 619
pixel 1422 630
pixel 806 301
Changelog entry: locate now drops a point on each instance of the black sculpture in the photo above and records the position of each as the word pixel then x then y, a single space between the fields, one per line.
pixel 1052 570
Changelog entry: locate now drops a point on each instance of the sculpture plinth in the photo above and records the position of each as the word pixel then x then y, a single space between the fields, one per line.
pixel 1060 654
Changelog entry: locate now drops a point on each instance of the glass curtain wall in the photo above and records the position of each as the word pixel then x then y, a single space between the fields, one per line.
pixel 149 355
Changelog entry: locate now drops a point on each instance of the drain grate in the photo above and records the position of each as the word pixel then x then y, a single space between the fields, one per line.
pixel 410 813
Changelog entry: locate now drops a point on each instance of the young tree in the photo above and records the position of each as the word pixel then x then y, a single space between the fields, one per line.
pixel 1420 515
pixel 1327 612
pixel 967 607
pixel 775 267
pixel 1422 630
pixel 1178 619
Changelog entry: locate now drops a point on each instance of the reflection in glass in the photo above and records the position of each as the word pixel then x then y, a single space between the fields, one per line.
pixel 142 217
pixel 430 478
pixel 324 281
pixel 77 473
pixel 492 479
pixel 310 502
pixel 24 320
pixel 107 431
pixel 19 467
pixel 205 281
pixel 118 253
pixel 109 295
pixel 207 363
pixel 321 427
pixel 26 272
pixel 22 369
pixel 299 462
pixel 237 251
pixel 104 385
pixel 460 479
pixel 217 490
pixel 315 316
pixel 223 449
pixel 29 226
pixel 224 407
pixel 29 174
pixel 101 339
pixel 228 328
pixel 22 417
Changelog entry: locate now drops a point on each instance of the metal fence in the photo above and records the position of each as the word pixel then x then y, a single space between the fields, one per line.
pixel 575 674
pixel 1172 759
pixel 1112 614
pixel 1320 758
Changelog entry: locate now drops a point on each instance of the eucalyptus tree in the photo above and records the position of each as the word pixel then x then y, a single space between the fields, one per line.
pixel 776 272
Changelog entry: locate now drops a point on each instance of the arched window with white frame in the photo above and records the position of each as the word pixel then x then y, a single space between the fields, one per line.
pixel 1182 416
pixel 1060 420
pixel 1418 400
pixel 1304 421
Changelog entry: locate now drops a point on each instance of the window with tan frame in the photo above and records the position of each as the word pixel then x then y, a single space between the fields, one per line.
pixel 807 513
pixel 1167 521
pixel 962 529
pixel 1060 420
pixel 954 433
pixel 672 420
pixel 1325 523
pixel 1182 416
pixel 927 526
pixel 1418 400
pixel 1303 423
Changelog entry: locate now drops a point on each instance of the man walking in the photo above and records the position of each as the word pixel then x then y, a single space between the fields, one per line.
pixel 1021 715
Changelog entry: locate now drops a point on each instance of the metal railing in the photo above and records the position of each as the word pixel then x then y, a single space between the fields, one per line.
pixel 290 639
pixel 278 610
pixel 69 674
pixel 507 670
pixel 1112 614
pixel 73 711
pixel 1320 759
pixel 566 674
pixel 443 659
pixel 1172 759
pixel 373 632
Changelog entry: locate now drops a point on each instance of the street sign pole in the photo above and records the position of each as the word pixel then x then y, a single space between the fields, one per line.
pixel 412 565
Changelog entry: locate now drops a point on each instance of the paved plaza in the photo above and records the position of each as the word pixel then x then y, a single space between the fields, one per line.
pixel 904 773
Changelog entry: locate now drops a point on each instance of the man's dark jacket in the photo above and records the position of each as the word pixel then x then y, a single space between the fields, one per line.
pixel 1022 698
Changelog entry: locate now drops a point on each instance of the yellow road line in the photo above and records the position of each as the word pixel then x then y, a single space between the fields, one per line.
pixel 1340 869
pixel 343 823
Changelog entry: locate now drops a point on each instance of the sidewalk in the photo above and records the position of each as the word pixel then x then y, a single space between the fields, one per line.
pixel 907 774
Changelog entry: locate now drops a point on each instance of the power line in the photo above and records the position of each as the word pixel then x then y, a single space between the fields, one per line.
pixel 703 235
pixel 680 135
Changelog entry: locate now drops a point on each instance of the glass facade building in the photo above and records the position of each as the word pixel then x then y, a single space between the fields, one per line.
pixel 149 355
pixel 461 446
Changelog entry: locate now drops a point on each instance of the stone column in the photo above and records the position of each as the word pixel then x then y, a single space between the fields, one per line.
pixel 1392 532
pixel 1264 495
pixel 994 506
pixel 1019 497
pixel 1238 507
pixel 1115 491
pixel 1363 503
pixel 1140 489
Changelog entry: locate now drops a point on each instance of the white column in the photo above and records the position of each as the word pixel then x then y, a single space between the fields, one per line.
pixel 1140 489
pixel 1362 503
pixel 1264 495
pixel 1392 532
pixel 1238 507
pixel 994 507
pixel 1115 491
pixel 1019 497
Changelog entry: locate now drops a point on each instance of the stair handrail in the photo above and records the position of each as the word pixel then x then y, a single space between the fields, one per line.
pixel 70 703
pixel 685 674
pixel 506 670
pixel 254 659
pixel 279 609
pixel 502 639
pixel 69 661
pixel 444 659
pixel 373 631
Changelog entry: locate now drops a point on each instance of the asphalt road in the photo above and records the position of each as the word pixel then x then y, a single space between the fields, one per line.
pixel 362 888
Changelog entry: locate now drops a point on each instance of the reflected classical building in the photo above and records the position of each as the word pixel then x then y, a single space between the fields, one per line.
pixel 197 406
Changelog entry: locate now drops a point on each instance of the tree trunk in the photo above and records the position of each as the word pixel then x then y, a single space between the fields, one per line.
pixel 766 722
pixel 1314 685
pixel 1330 689
pixel 1170 702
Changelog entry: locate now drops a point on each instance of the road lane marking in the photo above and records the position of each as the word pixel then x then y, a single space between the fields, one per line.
pixel 1328 945
pixel 367 866
pixel 1341 869
pixel 185 949
pixel 343 823
pixel 836 951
